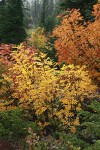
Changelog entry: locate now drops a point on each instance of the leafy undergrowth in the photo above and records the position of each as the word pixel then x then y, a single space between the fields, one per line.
pixel 45 105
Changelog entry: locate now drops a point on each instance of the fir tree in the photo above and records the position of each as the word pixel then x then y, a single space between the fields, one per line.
pixel 11 22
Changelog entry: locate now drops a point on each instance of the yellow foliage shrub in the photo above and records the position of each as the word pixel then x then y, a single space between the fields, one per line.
pixel 50 93
pixel 38 39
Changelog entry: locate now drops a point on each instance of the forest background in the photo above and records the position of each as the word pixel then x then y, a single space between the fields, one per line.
pixel 49 75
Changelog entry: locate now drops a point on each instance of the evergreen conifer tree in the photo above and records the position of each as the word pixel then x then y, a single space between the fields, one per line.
pixel 47 18
pixel 11 22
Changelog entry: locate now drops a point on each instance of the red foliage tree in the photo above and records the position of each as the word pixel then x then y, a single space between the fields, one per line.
pixel 80 43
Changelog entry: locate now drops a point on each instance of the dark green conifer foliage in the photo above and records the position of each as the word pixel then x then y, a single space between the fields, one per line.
pixel 47 17
pixel 11 22
pixel 2 19
pixel 90 122
pixel 85 7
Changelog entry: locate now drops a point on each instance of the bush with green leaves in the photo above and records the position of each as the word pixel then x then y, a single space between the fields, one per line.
pixel 51 143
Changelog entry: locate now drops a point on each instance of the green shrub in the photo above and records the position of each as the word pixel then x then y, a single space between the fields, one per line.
pixel 14 126
pixel 95 146
pixel 51 143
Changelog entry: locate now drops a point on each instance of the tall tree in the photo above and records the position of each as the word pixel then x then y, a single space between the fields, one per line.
pixel 47 19
pixel 11 22
pixel 27 14
pixel 44 12
pixel 2 18
pixel 80 45
pixel 35 11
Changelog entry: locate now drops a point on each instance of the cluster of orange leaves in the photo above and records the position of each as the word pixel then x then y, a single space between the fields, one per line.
pixel 79 43
pixel 5 63
pixel 5 51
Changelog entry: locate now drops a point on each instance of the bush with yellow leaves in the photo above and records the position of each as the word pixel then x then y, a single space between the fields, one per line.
pixel 38 39
pixel 53 96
